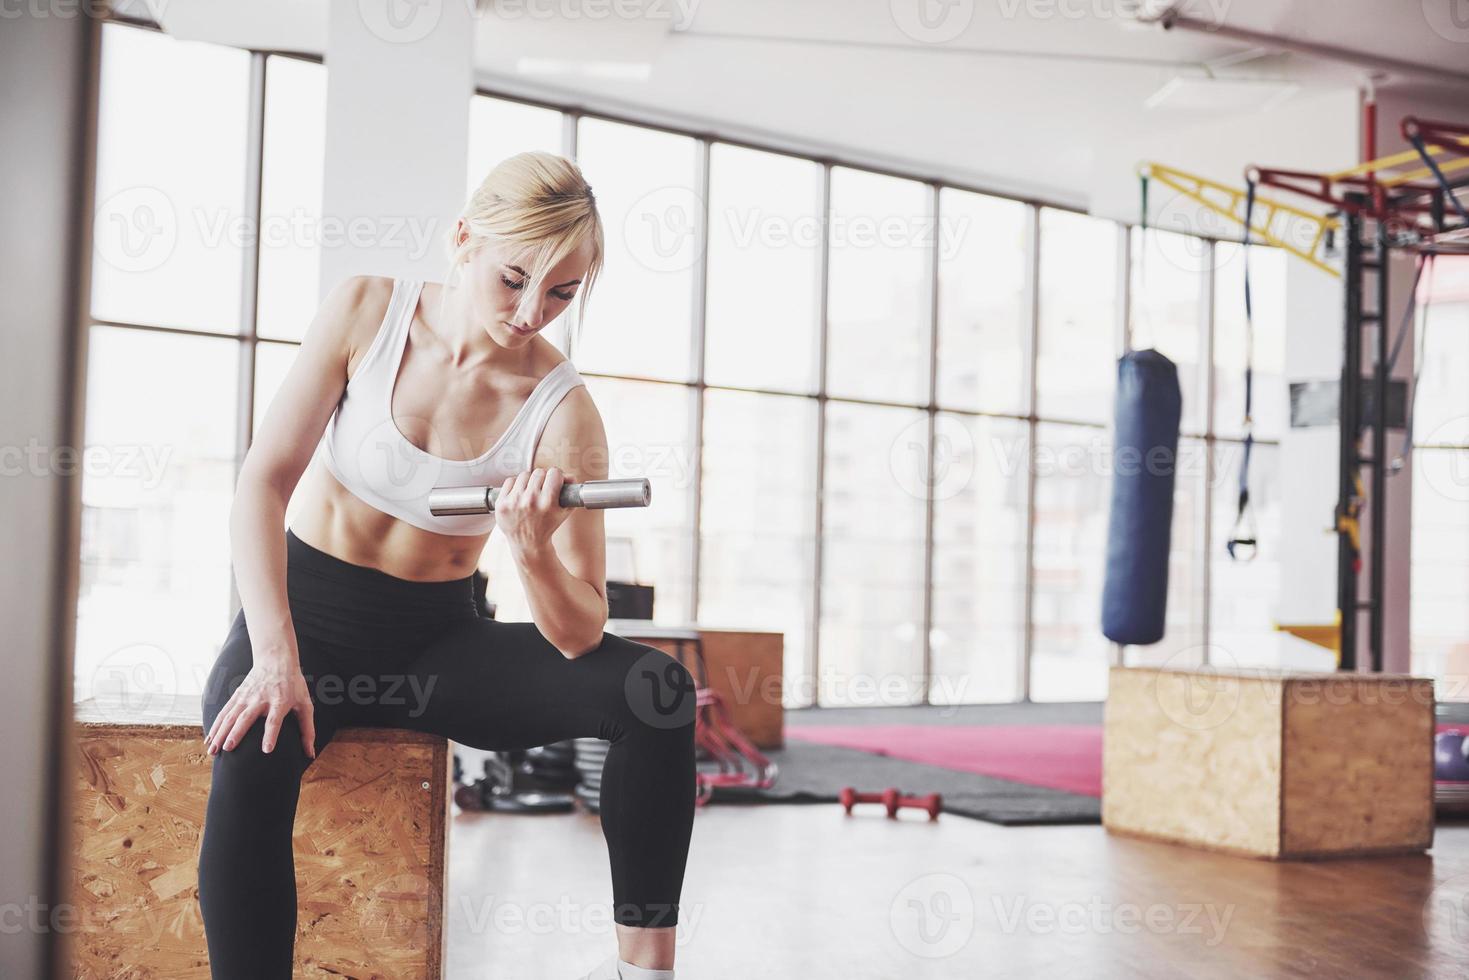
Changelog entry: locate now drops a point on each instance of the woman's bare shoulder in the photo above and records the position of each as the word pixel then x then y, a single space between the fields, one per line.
pixel 575 438
pixel 353 311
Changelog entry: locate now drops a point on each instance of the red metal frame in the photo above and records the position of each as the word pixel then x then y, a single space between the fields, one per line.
pixel 1364 194
pixel 740 763
pixel 1377 202
pixel 1443 134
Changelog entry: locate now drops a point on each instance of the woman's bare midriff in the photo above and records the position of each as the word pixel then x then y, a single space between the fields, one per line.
pixel 328 517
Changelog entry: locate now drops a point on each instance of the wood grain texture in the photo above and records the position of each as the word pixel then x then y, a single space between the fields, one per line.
pixel 1268 763
pixel 370 847
pixel 1358 767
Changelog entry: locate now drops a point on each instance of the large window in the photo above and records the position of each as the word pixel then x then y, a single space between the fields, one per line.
pixel 764 290
pixel 155 590
pixel 170 182
pixel 881 233
pixel 1077 357
pixel 983 315
pixel 757 522
pixel 980 519
pixel 294 151
pixel 876 410
pixel 872 542
pixel 499 129
pixel 173 328
pixel 1069 655
pixel 647 188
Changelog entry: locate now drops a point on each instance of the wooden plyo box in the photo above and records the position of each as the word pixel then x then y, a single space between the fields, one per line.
pixel 1270 764
pixel 370 847
pixel 745 667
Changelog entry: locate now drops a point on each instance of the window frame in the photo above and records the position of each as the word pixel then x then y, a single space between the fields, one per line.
pixel 248 337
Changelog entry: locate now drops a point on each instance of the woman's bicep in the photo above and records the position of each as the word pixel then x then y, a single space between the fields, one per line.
pixel 578 447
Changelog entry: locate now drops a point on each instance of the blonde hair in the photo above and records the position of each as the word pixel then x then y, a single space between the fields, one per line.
pixel 540 208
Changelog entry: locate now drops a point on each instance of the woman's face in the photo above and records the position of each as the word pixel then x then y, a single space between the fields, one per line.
pixel 496 284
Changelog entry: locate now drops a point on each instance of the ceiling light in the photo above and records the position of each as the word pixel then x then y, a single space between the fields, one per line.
pixel 1221 94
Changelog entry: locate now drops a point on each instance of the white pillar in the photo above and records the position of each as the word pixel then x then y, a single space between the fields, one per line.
pixel 1314 304
pixel 399 82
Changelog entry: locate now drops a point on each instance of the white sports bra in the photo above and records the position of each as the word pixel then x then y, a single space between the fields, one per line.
pixel 363 448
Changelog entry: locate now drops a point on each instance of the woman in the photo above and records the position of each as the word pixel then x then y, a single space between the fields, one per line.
pixel 363 612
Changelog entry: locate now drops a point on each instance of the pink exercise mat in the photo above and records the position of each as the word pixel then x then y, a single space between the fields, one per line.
pixel 1065 757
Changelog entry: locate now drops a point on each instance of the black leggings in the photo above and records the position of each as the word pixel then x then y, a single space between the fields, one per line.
pixel 377 650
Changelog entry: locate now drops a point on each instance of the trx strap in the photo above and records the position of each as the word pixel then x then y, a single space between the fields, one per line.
pixel 1425 261
pixel 1143 220
pixel 1135 309
pixel 1443 182
pixel 1243 543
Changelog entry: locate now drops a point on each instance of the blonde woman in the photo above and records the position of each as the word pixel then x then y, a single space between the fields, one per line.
pixel 363 612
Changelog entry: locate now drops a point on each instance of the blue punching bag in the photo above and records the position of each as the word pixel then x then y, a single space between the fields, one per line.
pixel 1144 463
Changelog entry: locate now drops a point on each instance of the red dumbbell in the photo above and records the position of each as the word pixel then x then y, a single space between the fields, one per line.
pixel 933 803
pixel 889 798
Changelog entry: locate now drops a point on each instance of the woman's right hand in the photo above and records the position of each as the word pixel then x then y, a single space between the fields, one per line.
pixel 273 688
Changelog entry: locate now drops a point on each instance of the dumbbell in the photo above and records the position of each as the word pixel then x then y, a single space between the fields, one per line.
pixel 888 798
pixel 933 803
pixel 593 495
pixel 893 801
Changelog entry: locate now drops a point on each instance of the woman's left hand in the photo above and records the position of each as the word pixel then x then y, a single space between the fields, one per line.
pixel 528 508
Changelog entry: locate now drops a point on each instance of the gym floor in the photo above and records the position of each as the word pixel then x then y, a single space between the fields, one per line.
pixel 787 891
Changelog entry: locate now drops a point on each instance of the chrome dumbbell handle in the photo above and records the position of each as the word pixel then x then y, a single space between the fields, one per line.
pixel 593 494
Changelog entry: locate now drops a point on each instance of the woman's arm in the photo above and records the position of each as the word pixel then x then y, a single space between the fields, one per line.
pixel 277 457
pixel 560 552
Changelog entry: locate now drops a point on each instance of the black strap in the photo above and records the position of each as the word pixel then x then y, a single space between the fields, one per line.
pixel 1243 542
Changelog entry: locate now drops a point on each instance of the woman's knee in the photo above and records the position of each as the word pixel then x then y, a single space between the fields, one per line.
pixel 250 766
pixel 651 689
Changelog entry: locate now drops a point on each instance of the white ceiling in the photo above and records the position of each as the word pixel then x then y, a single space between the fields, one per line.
pixel 1013 95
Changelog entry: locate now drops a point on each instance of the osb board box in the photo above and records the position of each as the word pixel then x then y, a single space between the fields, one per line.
pixel 370 849
pixel 1268 763
pixel 745 667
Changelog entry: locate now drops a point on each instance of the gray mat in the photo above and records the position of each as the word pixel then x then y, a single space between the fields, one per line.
pixel 1021 713
pixel 815 773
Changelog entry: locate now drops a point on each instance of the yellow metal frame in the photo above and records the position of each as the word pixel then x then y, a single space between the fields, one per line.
pixel 1326 635
pixel 1376 167
pixel 1266 210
